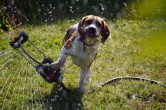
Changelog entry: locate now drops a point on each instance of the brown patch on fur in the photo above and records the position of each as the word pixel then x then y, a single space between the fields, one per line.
pixel 68 35
pixel 68 43
pixel 104 32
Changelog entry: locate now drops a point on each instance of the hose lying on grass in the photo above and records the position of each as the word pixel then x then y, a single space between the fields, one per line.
pixel 132 78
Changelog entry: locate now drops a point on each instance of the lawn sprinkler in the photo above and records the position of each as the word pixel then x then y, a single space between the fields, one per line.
pixel 47 73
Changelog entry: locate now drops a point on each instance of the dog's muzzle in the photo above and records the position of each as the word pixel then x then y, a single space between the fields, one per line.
pixel 91 31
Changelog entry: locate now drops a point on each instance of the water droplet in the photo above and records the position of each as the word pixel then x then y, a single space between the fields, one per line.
pixel 133 96
pixel 50 108
pixel 50 12
pixel 125 4
pixel 39 10
pixel 4 8
pixel 101 6
pixel 12 2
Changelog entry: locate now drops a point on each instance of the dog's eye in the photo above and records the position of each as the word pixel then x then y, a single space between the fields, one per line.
pixel 88 22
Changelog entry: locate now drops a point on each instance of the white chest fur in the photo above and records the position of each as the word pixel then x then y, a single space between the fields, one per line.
pixel 81 54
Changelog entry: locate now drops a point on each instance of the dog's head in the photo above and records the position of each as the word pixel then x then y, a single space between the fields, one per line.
pixel 93 26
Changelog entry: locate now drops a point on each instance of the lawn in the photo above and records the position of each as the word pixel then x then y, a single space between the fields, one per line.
pixel 137 48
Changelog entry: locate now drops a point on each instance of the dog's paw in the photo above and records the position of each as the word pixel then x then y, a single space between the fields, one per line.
pixel 54 66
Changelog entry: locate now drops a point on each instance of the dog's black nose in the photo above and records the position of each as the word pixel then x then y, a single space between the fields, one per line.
pixel 92 30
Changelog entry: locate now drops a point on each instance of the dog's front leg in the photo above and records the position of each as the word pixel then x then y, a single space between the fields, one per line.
pixel 83 75
pixel 88 76
pixel 62 59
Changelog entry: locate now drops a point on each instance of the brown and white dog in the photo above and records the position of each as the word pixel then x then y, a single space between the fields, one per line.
pixel 81 43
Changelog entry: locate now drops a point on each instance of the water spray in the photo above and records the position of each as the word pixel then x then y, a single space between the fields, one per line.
pixel 43 67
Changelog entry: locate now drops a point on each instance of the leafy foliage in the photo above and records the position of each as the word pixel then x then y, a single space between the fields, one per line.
pixel 4 23
pixel 49 11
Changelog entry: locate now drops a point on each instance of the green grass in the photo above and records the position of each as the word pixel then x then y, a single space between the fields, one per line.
pixel 137 48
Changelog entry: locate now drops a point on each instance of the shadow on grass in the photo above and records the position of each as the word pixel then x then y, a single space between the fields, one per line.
pixel 60 99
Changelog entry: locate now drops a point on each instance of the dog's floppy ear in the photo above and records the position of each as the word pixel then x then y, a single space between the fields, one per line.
pixel 104 32
pixel 81 28
pixel 81 23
